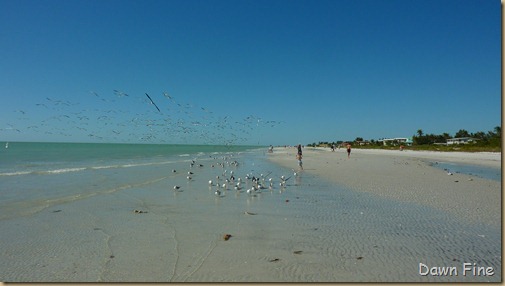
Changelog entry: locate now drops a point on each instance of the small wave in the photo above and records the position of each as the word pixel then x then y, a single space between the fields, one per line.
pixel 16 173
pixel 104 167
pixel 46 172
pixel 59 171
pixel 78 169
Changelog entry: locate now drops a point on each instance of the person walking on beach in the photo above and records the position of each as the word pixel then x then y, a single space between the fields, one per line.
pixel 348 150
pixel 299 156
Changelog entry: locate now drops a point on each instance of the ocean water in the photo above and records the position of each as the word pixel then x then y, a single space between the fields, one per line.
pixel 478 171
pixel 109 213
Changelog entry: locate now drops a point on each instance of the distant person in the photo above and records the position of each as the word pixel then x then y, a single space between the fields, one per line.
pixel 332 147
pixel 299 156
pixel 271 149
pixel 348 150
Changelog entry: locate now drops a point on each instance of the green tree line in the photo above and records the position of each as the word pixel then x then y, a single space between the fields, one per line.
pixel 489 138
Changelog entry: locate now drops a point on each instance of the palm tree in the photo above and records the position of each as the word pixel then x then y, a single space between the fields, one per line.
pixel 420 132
pixel 497 130
pixel 462 133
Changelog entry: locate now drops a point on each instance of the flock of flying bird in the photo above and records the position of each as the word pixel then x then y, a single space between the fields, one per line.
pixel 122 118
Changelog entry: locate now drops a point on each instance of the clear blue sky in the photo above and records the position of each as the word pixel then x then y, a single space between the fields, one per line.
pixel 247 72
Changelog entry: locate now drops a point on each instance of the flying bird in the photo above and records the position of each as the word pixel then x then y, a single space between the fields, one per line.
pixel 152 102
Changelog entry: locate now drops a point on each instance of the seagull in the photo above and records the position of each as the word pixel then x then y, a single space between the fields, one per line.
pixel 283 183
pixel 152 102
pixel 176 187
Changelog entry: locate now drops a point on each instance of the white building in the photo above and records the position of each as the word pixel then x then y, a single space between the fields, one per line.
pixel 399 140
pixel 461 140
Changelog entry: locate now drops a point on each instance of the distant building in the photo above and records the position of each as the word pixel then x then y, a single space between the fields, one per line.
pixel 461 140
pixel 396 141
pixel 363 143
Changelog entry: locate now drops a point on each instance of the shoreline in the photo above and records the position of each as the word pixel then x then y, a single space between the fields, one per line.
pixel 132 225
pixel 407 176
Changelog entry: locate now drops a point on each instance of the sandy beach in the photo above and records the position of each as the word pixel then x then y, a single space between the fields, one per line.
pixel 375 217
pixel 407 176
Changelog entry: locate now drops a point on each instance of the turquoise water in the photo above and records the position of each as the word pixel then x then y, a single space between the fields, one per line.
pixel 67 215
pixel 27 157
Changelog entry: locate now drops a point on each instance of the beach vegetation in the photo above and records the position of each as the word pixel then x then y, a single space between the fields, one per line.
pixel 481 141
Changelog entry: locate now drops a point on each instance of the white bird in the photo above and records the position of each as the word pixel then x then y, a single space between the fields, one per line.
pixel 217 192
pixel 210 182
pixel 189 178
pixel 176 187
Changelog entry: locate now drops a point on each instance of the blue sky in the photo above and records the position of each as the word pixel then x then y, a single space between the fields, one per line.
pixel 247 72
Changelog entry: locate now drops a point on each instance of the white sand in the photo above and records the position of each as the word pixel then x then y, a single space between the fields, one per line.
pixel 308 231
pixel 407 176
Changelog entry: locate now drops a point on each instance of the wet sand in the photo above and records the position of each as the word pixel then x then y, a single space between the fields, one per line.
pixel 369 222
pixel 407 176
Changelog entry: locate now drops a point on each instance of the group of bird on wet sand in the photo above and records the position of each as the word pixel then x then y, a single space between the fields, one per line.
pixel 227 180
